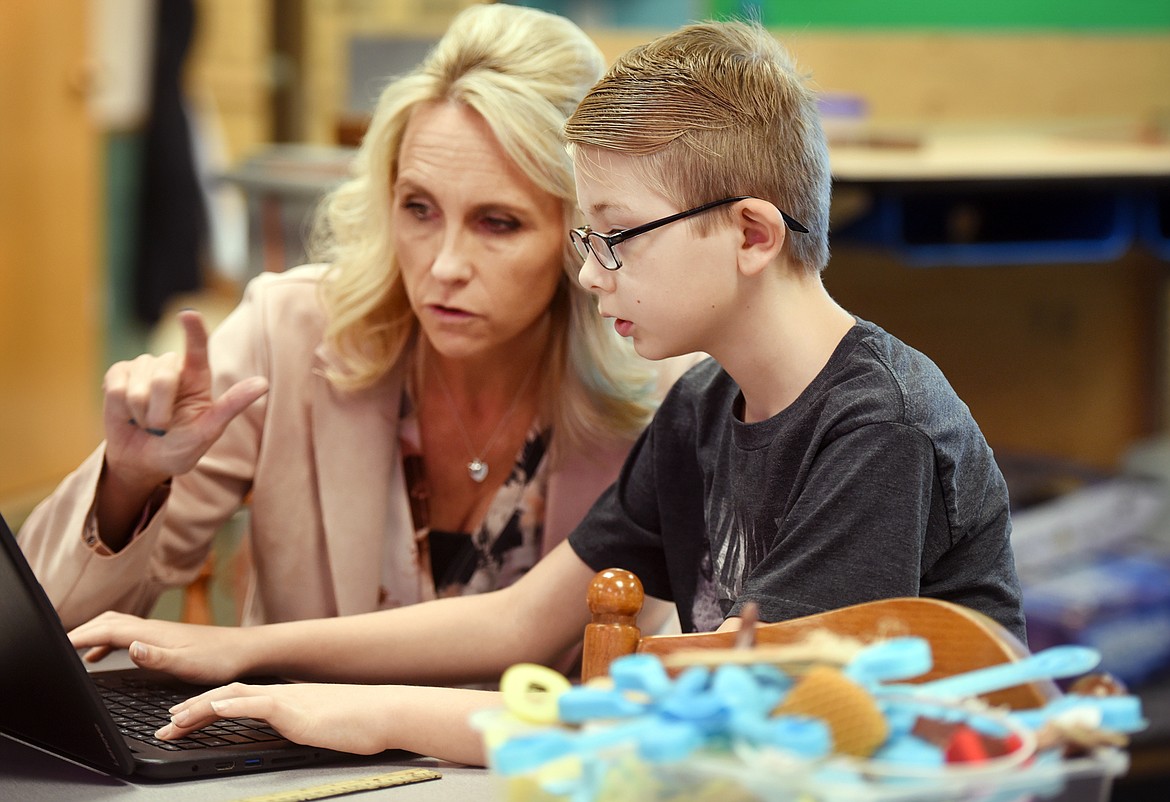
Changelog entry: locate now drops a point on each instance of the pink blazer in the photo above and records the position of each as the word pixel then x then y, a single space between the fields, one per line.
pixel 318 532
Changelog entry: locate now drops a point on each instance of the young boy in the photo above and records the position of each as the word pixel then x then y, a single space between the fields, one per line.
pixel 815 462
pixel 820 462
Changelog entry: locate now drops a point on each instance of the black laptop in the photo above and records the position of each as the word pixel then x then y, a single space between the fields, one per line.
pixel 107 719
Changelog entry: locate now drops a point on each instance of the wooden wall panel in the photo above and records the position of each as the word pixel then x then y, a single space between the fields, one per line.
pixel 50 296
pixel 929 77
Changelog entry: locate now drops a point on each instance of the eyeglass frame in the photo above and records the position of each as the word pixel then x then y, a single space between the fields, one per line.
pixel 579 237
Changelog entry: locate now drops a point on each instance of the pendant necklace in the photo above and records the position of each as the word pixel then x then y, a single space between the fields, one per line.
pixel 477 468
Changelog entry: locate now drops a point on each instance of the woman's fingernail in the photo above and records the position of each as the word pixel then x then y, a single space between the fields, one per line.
pixel 220 708
pixel 180 718
pixel 165 731
pixel 138 651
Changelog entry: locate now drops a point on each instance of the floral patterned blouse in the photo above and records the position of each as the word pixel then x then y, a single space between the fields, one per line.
pixel 508 541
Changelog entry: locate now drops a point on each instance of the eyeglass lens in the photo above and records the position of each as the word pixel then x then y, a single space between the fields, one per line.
pixel 585 243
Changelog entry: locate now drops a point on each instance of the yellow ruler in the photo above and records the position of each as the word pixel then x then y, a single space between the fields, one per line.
pixel 341 787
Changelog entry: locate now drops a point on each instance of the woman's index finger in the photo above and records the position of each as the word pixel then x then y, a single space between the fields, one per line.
pixel 195 333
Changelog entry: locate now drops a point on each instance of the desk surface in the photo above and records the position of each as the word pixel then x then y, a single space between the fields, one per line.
pixel 29 774
pixel 998 152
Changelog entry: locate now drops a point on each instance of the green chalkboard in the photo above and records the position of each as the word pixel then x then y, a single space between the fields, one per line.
pixel 1115 15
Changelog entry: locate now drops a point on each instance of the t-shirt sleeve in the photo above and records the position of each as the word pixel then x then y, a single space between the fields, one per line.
pixel 857 530
pixel 623 527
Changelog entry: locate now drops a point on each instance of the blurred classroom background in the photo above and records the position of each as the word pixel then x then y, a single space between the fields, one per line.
pixel 1002 203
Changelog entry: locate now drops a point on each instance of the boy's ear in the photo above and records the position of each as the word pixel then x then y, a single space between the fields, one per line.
pixel 762 234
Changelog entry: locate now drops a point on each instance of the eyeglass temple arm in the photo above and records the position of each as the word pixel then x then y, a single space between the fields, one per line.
pixel 622 236
pixel 792 222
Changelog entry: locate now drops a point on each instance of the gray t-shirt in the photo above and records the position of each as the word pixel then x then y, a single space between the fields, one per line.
pixel 875 483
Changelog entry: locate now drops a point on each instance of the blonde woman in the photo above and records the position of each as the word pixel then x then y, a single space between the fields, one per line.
pixel 425 414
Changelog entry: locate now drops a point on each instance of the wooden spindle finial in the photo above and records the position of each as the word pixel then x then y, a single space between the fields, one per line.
pixel 615 598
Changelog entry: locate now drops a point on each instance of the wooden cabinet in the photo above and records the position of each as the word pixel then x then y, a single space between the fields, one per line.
pixel 1061 361
pixel 50 297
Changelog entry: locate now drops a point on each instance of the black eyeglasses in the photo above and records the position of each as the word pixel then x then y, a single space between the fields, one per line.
pixel 587 241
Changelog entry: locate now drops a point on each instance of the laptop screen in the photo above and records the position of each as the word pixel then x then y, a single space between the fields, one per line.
pixel 48 700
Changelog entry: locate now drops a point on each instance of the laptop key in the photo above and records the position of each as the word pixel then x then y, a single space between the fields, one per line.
pixel 209 741
pixel 237 738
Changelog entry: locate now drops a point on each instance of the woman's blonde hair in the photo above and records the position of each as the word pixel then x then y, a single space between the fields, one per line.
pixel 523 71
pixel 716 110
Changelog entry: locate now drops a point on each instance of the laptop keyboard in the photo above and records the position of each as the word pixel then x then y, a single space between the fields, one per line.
pixel 139 708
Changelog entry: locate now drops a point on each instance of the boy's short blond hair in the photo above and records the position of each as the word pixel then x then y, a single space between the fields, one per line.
pixel 716 109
